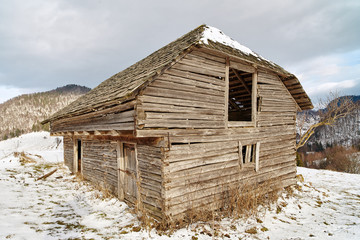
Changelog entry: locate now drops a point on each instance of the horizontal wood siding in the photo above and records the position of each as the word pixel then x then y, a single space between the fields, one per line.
pixel 100 164
pixel 151 178
pixel 185 105
pixel 189 95
pixel 111 121
pixel 69 152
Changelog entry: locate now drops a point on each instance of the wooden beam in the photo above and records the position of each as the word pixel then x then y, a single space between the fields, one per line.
pixel 227 62
pixel 254 98
pixel 242 67
pixel 257 153
pixel 233 103
pixel 241 80
pixel 240 156
pixel 114 133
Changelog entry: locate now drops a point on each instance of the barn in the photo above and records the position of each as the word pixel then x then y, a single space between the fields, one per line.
pixel 177 129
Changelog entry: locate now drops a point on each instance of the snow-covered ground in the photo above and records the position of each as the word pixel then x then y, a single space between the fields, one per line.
pixel 325 206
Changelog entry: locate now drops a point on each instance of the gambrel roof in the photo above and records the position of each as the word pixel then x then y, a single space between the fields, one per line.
pixel 126 84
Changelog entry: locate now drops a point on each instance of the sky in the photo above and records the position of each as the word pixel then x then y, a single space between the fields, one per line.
pixel 48 44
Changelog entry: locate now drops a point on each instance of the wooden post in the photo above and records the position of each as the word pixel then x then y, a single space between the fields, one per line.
pixel 120 165
pixel 257 153
pixel 240 156
pixel 226 92
pixel 254 97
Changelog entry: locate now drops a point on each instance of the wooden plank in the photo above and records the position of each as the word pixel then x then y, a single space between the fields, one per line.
pixel 226 98
pixel 196 77
pixel 240 155
pixel 242 66
pixel 162 82
pixel 254 98
pixel 169 93
pixel 197 70
pixel 257 155
pixel 181 105
pixel 194 83
pixel 152 115
pixel 242 81
pixel 198 52
pixel 183 123
pixel 202 64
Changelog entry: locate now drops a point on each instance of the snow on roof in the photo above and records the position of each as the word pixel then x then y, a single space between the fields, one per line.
pixel 216 35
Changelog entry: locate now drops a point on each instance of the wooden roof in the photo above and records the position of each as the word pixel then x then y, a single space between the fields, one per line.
pixel 126 84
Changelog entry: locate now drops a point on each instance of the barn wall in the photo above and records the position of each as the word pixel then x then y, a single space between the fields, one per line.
pixel 186 105
pixel 100 167
pixel 69 152
pixel 100 163
pixel 112 121
pixel 151 178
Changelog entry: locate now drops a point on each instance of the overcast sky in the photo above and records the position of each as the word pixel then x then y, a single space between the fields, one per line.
pixel 47 44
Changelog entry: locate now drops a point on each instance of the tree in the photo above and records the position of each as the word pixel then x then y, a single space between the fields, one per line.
pixel 331 108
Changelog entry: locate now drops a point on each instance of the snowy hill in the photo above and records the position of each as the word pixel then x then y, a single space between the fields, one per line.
pixel 324 206
pixel 24 113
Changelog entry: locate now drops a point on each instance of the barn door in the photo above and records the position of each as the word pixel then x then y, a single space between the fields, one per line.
pixel 78 152
pixel 127 172
pixel 131 173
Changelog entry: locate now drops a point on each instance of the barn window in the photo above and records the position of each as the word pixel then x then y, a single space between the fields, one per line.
pixel 241 94
pixel 249 155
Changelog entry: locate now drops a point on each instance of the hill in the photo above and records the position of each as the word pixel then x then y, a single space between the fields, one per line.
pixel 24 113
pixel 345 132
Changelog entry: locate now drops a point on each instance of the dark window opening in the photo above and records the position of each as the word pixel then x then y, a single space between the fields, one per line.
pixel 79 155
pixel 240 94
pixel 244 153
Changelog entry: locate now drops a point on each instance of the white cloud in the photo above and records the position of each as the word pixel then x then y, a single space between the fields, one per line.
pixel 327 87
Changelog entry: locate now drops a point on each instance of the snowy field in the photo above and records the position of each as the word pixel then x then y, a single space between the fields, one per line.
pixel 325 206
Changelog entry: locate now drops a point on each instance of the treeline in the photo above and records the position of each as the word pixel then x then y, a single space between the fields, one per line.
pixel 24 113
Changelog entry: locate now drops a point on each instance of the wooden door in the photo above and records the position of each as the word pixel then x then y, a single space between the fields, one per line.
pixel 130 187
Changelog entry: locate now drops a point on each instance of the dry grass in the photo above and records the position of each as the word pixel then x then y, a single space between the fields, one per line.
pixel 23 158
pixel 337 158
pixel 237 202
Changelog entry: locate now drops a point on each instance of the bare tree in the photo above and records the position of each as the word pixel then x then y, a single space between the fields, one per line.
pixel 331 108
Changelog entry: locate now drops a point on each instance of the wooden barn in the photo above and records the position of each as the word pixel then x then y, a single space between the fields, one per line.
pixel 178 128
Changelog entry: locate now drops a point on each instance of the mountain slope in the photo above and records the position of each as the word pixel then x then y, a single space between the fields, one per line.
pixel 24 113
pixel 345 132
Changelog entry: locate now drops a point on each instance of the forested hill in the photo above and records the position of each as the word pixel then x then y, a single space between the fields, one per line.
pixel 24 113
pixel 345 132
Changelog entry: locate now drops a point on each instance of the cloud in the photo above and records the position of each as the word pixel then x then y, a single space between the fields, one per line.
pixel 46 44
pixel 334 73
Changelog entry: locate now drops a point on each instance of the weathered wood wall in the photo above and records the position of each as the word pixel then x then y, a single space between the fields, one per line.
pixel 69 152
pixel 186 106
pixel 151 178
pixel 121 118
pixel 100 164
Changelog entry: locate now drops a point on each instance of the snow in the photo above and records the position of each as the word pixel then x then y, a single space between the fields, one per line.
pixel 325 206
pixel 216 35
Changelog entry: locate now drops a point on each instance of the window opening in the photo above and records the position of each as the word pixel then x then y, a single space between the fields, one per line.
pixel 240 95
pixel 79 155
pixel 248 156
